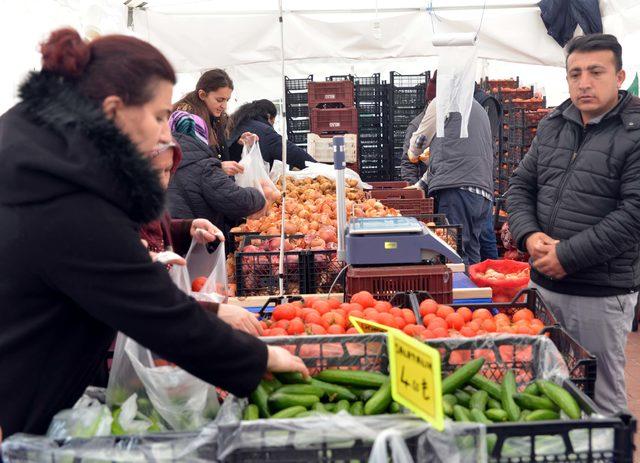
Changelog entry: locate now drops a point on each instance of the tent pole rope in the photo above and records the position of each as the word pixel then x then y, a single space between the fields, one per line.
pixel 283 182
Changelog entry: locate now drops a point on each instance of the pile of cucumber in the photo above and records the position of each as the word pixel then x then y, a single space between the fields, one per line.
pixel 470 396
pixel 289 395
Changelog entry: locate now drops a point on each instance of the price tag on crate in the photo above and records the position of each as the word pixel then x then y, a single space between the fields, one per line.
pixel 416 380
pixel 367 326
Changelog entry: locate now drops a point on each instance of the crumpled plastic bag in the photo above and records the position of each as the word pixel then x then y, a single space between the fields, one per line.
pixel 86 419
pixel 255 174
pixel 316 169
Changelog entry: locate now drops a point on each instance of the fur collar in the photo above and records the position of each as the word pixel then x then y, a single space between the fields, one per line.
pixel 54 103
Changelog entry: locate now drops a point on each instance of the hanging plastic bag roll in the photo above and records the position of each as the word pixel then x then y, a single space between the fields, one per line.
pixel 454 39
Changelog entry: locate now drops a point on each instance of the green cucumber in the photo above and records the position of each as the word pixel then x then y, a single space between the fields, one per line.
pixel 319 407
pixel 508 391
pixel 380 400
pixel 289 412
pixel 367 394
pixel 493 389
pixel 532 388
pixel 496 415
pixel 352 377
pixel 561 398
pixel 301 389
pixel 479 400
pixel 251 413
pixel 479 417
pixel 447 408
pixel 331 408
pixel 461 376
pixel 523 415
pixel 464 398
pixel 461 413
pixel 293 377
pixel 280 401
pixel 309 413
pixel 542 415
pixel 343 405
pixel 394 407
pixel 493 403
pixel 271 385
pixel 451 399
pixel 470 389
pixel 533 402
pixel 357 408
pixel 260 397
pixel 333 391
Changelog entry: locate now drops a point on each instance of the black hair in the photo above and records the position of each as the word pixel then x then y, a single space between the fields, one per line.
pixel 596 42
pixel 257 108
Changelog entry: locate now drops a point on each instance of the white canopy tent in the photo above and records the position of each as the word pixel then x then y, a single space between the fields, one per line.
pixel 321 38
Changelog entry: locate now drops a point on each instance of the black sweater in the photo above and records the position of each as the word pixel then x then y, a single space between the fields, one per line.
pixel 73 193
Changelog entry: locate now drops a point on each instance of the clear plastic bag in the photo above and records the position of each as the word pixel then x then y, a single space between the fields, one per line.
pixel 201 263
pixel 182 401
pixel 255 174
pixel 317 169
pixel 87 419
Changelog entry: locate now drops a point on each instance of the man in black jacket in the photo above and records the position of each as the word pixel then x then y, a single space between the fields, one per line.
pixel 574 205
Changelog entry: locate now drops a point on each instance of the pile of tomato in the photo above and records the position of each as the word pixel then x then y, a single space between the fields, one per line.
pixel 318 316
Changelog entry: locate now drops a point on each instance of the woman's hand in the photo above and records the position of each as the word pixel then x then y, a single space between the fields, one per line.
pixel 204 231
pixel 248 139
pixel 240 318
pixel 282 361
pixel 232 168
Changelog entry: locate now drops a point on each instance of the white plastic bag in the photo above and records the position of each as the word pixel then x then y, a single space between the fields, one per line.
pixel 316 169
pixel 183 401
pixel 455 86
pixel 83 420
pixel 255 174
pixel 201 263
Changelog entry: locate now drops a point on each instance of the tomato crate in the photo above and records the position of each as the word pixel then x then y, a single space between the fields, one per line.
pixel 385 281
pixel 334 120
pixel 331 93
pixel 419 206
pixel 397 194
pixel 256 273
pixel 386 185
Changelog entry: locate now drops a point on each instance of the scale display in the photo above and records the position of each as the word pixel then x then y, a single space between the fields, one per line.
pixel 381 225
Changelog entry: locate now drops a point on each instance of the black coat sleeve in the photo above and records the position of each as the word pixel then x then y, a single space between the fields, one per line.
pixel 522 198
pixel 101 265
pixel 616 233
pixel 223 195
pixel 271 146
pixel 409 171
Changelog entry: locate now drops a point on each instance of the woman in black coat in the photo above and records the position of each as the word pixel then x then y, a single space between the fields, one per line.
pixel 258 117
pixel 75 187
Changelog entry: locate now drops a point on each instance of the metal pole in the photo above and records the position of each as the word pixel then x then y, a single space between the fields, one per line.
pixel 281 262
pixel 339 165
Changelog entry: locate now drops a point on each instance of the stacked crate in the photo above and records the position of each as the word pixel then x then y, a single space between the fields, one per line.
pixel 332 110
pixel 407 98
pixel 297 109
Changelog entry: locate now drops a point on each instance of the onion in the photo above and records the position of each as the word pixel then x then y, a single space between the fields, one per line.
pixel 290 228
pixel 317 243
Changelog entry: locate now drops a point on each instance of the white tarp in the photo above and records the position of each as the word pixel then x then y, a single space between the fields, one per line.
pixel 321 37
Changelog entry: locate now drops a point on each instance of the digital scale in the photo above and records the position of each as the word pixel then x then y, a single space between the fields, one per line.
pixel 394 241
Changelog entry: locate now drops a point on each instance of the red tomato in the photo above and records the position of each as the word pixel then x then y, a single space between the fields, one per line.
pixel 467 332
pixel 455 321
pixel 198 283
pixel 439 332
pixel 408 315
pixel 382 306
pixel 438 323
pixel 387 319
pixel 278 332
pixel 321 306
pixel 352 330
pixel 396 311
pixel 336 329
pixel 410 329
pixel 313 328
pixel 400 322
pixel 284 324
pixel 466 313
pixel 427 334
pixel 482 314
pixel 313 317
pixel 364 298
pixel 356 313
pixel 308 301
pixel 283 312
pixel 444 311
pixel 296 326
pixel 427 319
pixel 428 306
pixel 333 303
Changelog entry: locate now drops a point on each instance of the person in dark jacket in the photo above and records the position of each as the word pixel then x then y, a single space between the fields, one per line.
pixel 258 117
pixel 201 189
pixel 75 188
pixel 411 172
pixel 574 205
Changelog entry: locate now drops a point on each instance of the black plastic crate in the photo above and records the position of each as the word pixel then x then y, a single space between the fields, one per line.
pixel 298 125
pixel 256 273
pixel 297 84
pixel 409 98
pixel 297 111
pixel 296 98
pixel 322 269
pixel 409 80
pixel 297 137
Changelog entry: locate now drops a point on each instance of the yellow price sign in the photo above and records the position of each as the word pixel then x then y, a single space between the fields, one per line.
pixel 416 380
pixel 367 326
